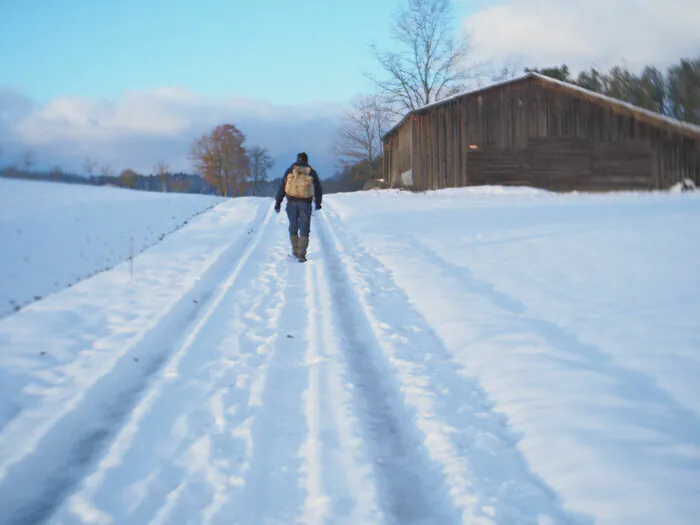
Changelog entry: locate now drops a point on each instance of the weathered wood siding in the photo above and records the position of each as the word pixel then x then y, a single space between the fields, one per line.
pixel 398 153
pixel 540 134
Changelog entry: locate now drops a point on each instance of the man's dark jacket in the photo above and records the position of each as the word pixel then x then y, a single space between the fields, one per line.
pixel 318 190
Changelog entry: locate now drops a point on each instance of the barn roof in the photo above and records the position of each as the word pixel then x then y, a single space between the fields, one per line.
pixel 651 117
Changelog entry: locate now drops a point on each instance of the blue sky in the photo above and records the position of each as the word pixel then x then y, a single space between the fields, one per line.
pixel 289 52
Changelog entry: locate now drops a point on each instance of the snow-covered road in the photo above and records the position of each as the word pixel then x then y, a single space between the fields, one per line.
pixel 230 384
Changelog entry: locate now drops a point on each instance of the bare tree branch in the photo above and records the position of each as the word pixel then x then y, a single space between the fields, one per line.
pixel 28 159
pixel 430 63
pixel 509 68
pixel 261 162
pixel 162 171
pixel 359 139
pixel 90 165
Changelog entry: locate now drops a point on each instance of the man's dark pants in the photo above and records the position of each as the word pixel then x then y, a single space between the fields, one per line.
pixel 299 213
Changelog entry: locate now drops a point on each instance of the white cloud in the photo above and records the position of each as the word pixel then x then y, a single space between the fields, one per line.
pixel 144 127
pixel 586 33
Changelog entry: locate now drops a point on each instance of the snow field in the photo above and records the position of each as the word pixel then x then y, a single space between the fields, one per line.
pixel 54 235
pixel 483 356
pixel 575 314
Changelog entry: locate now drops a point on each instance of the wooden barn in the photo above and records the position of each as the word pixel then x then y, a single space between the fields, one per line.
pixel 537 131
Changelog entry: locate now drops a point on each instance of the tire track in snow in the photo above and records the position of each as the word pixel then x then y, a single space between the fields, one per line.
pixel 34 482
pixel 316 499
pixel 227 435
pixel 188 446
pixel 489 481
pixel 337 473
pixel 269 489
pixel 410 484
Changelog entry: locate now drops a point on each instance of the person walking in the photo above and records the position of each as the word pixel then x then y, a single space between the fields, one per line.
pixel 302 187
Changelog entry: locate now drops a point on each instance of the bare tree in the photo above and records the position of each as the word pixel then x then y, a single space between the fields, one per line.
pixel 510 68
pixel 162 170
pixel 260 162
pixel 431 64
pixel 28 159
pixel 5 171
pixel 179 186
pixel 106 171
pixel 360 137
pixel 220 157
pixel 89 166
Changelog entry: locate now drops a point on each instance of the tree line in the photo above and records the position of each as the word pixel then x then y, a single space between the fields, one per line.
pixel 223 166
pixel 162 179
pixel 179 182
pixel 674 92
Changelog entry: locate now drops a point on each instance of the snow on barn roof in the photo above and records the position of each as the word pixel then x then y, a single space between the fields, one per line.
pixel 656 118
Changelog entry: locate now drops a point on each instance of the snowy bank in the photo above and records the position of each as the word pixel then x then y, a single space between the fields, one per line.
pixel 53 235
pixel 577 315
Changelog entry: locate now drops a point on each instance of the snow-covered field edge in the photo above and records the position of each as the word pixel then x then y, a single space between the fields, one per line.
pixel 55 235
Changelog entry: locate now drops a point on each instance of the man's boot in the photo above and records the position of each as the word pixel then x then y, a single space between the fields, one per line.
pixel 303 246
pixel 294 238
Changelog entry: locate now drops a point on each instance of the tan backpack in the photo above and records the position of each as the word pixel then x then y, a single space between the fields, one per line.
pixel 300 183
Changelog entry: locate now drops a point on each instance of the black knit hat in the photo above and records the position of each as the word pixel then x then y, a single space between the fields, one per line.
pixel 303 158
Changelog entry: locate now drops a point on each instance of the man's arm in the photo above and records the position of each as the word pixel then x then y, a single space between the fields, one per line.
pixel 318 189
pixel 280 192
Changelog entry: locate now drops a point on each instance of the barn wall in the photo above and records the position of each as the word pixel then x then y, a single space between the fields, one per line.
pixel 565 164
pixel 539 134
pixel 398 152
